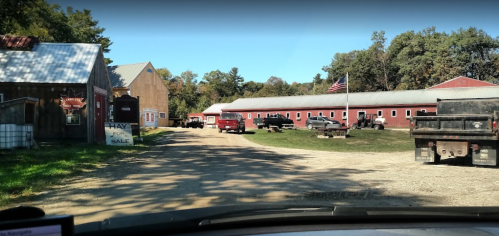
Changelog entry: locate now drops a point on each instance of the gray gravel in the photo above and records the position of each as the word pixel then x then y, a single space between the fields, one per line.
pixel 200 167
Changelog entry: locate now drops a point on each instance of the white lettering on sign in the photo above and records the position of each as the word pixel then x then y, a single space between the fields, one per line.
pixel 118 134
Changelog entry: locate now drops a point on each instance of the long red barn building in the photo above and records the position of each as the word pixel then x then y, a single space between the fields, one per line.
pixel 395 106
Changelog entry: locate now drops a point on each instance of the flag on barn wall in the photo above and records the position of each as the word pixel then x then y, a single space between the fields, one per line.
pixel 340 84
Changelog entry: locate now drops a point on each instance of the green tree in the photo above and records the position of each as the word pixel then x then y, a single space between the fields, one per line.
pixel 164 73
pixel 474 53
pixel 50 24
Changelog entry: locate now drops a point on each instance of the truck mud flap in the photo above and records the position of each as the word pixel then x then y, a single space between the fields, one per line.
pixel 486 154
pixel 424 153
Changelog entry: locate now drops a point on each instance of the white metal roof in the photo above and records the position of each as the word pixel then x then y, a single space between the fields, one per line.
pixel 215 108
pixel 124 75
pixel 400 97
pixel 49 63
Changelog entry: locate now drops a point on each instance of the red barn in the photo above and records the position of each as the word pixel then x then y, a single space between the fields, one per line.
pixel 461 82
pixel 210 115
pixel 395 106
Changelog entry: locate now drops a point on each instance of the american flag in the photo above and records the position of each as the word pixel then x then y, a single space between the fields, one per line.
pixel 340 84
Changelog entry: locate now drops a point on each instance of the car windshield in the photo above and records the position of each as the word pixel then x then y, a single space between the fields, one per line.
pixel 113 108
pixel 228 116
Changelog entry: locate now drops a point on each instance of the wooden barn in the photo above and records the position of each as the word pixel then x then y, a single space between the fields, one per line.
pixel 141 79
pixel 69 80
pixel 395 106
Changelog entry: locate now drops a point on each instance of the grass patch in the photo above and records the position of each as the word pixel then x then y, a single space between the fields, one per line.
pixel 359 140
pixel 25 172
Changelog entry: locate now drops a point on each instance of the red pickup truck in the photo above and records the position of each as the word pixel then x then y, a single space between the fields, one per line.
pixel 231 121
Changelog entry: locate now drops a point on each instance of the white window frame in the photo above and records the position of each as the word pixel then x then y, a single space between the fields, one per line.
pixel 410 113
pixel 160 113
pixel 1 97
pixel 278 113
pixel 379 113
pixel 358 113
pixel 331 112
pixel 393 112
pixel 258 115
pixel 344 114
pixel 288 115
pixel 268 115
pixel 309 114
pixel 298 115
pixel 423 110
pixel 249 116
pixel 320 113
pixel 210 120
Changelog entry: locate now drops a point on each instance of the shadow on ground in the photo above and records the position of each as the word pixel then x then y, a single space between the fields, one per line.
pixel 181 172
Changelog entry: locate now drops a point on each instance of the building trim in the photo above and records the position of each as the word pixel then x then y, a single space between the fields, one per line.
pixel 328 108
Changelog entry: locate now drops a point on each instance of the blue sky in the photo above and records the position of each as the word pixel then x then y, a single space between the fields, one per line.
pixel 289 39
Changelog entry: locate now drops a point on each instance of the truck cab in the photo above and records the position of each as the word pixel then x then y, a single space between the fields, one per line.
pixel 231 122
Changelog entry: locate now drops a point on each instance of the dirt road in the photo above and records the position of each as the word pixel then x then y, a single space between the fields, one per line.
pixel 198 168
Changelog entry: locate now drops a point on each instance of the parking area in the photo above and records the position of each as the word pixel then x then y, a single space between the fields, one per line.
pixel 193 168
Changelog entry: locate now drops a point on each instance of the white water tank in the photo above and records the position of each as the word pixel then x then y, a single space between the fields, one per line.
pixel 24 136
pixel 7 136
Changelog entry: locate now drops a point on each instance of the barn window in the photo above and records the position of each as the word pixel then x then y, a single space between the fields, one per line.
pixel 423 110
pixel 344 114
pixel 331 114
pixel 287 115
pixel 380 113
pixel 298 115
pixel 320 113
pixel 258 115
pixel 149 70
pixel 268 115
pixel 394 113
pixel 249 115
pixel 408 112
pixel 162 115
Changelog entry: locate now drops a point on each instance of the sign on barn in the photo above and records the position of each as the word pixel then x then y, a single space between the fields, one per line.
pixel 118 134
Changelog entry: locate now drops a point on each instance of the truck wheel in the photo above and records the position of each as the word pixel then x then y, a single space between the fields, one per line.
pixel 244 130
pixel 260 127
pixel 376 127
pixel 220 130
pixel 437 158
pixel 354 126
pixel 309 126
pixel 238 131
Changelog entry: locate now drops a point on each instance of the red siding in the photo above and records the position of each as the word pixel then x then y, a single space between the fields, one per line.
pixel 461 82
pixel 399 121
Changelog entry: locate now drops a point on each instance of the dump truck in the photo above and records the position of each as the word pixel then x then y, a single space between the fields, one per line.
pixel 464 128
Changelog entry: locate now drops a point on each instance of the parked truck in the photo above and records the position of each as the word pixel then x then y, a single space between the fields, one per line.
pixel 464 128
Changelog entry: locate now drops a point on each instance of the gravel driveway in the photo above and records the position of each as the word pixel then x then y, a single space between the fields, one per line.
pixel 201 167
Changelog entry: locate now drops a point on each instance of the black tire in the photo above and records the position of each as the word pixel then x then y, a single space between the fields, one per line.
pixel 260 127
pixel 220 130
pixel 310 126
pixel 376 127
pixel 437 159
pixel 238 131
pixel 244 130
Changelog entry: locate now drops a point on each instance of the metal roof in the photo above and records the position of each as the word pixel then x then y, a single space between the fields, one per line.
pixel 215 108
pixel 124 75
pixel 49 63
pixel 399 97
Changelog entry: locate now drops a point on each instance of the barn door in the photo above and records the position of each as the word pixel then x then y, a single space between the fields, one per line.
pixel 100 117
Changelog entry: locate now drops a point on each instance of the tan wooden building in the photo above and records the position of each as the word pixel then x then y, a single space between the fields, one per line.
pixel 141 79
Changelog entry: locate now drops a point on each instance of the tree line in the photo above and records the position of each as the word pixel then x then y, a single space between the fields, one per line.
pixel 412 60
pixel 418 60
